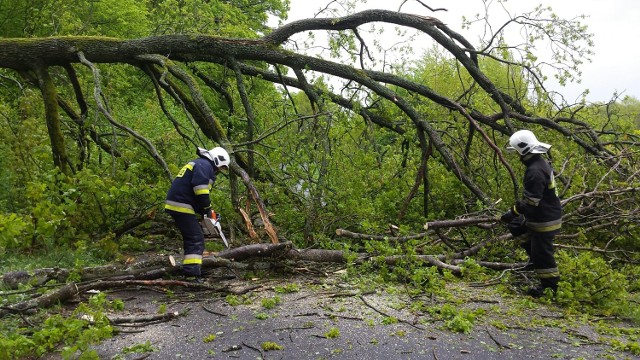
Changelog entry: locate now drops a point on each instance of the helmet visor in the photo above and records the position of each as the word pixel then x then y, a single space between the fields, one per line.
pixel 537 148
pixel 540 148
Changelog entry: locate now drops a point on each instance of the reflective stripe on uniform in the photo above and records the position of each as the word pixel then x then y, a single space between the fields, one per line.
pixel 545 226
pixel 201 189
pixel 188 166
pixel 547 273
pixel 532 201
pixel 552 184
pixel 192 259
pixel 179 207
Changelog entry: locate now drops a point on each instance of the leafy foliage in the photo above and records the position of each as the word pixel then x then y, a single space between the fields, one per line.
pixel 271 303
pixel 139 348
pixel 87 325
pixel 590 284
pixel 458 320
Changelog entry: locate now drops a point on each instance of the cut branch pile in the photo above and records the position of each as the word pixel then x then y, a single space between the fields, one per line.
pixel 151 271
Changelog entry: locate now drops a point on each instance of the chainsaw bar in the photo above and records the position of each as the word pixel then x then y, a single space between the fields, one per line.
pixel 213 226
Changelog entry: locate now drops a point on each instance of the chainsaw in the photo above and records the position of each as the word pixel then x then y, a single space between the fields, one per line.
pixel 212 224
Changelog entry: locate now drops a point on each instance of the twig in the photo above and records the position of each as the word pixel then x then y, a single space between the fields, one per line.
pixel 245 290
pixel 119 330
pixel 494 281
pixel 485 301
pixel 343 294
pixel 137 319
pixel 500 345
pixel 213 312
pixel 386 315
pixel 254 348
pixel 137 325
pixel 308 314
pixel 438 224
pixel 101 285
pixel 331 316
pixel 372 307
pixel 306 327
pixel 16 292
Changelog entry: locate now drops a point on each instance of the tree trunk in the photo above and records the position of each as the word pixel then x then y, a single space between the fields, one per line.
pixel 52 118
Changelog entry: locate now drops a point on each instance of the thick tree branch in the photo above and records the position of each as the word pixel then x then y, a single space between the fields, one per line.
pixel 52 117
pixel 98 98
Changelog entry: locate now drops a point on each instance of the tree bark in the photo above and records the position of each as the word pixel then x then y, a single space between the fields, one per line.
pixel 52 117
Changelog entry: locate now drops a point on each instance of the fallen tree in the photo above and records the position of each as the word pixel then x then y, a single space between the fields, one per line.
pixel 603 208
pixel 149 270
pixel 191 69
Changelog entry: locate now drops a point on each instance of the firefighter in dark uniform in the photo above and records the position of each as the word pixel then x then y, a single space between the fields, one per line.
pixel 188 201
pixel 539 209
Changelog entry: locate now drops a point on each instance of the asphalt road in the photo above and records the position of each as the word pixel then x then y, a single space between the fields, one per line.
pixel 328 319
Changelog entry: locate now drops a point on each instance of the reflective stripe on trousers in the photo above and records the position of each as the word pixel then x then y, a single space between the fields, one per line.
pixel 539 247
pixel 192 241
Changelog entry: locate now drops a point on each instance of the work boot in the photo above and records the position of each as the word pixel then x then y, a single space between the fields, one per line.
pixel 194 279
pixel 198 280
pixel 536 292
pixel 539 290
pixel 550 283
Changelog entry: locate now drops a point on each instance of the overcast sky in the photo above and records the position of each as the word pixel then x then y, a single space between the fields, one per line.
pixel 614 23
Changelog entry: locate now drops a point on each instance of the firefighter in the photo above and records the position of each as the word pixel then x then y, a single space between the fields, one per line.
pixel 188 201
pixel 538 215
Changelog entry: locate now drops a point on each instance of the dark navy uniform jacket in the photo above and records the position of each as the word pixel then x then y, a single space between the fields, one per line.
pixel 540 204
pixel 189 192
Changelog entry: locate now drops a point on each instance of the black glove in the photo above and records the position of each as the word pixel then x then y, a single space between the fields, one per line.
pixel 517 226
pixel 507 217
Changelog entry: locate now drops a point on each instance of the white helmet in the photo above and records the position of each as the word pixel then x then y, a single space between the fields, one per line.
pixel 525 142
pixel 218 156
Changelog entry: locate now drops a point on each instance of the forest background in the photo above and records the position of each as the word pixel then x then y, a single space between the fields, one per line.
pixel 102 102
